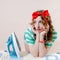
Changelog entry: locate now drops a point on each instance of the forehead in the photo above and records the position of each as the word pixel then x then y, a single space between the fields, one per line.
pixel 38 18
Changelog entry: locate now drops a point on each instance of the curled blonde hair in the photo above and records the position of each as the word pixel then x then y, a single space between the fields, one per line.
pixel 49 22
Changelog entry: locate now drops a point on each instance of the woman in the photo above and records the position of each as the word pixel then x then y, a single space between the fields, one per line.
pixel 39 37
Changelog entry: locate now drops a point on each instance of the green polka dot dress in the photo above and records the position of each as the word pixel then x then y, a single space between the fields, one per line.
pixel 30 40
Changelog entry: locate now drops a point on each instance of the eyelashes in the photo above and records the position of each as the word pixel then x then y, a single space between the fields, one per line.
pixel 42 18
pixel 34 28
pixel 42 22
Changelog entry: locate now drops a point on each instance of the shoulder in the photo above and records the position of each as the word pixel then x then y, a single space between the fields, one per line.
pixel 29 30
pixel 29 33
pixel 54 37
pixel 29 36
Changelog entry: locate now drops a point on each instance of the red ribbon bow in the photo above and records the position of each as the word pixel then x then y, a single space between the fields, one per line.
pixel 36 14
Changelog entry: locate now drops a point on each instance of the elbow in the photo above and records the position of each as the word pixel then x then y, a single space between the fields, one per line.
pixel 42 55
pixel 34 55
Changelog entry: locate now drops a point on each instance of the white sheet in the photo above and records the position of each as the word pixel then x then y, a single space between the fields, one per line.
pixel 55 56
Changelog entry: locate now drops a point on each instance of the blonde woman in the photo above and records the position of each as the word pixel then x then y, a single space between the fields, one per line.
pixel 39 37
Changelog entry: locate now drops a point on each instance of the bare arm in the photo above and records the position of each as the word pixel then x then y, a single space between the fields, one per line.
pixel 24 53
pixel 34 48
pixel 43 50
pixel 38 49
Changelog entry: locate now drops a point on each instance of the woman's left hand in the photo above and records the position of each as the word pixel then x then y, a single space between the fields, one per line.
pixel 42 33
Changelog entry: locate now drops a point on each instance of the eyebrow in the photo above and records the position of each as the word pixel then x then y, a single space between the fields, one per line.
pixel 40 21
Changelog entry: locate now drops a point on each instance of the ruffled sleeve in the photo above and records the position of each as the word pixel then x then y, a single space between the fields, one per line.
pixel 29 37
pixel 54 37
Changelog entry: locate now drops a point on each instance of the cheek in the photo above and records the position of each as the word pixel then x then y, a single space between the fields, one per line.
pixel 35 25
pixel 42 26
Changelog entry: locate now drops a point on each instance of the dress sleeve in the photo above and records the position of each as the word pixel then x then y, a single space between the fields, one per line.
pixel 29 36
pixel 54 37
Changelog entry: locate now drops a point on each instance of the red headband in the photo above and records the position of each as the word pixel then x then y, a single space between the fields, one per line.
pixel 36 14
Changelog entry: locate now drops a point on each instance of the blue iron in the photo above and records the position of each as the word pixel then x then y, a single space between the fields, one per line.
pixel 13 42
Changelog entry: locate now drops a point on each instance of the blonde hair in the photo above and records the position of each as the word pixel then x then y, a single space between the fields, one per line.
pixel 51 29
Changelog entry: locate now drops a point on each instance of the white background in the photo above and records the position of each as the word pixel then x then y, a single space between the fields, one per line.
pixel 15 16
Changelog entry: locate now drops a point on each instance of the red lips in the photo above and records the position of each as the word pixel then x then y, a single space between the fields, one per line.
pixel 40 29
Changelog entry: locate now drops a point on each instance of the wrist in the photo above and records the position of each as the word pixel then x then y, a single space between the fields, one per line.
pixel 37 37
pixel 41 38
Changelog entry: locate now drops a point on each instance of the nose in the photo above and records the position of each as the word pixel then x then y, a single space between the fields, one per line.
pixel 38 26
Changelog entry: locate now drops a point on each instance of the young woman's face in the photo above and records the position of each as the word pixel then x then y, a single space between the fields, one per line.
pixel 39 24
